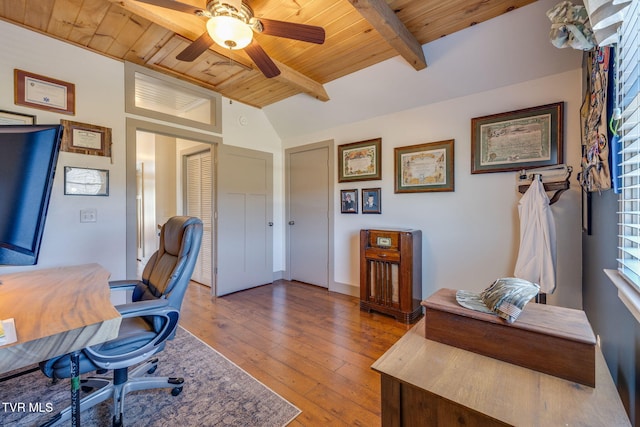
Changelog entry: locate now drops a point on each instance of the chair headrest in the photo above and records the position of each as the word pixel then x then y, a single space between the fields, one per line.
pixel 173 232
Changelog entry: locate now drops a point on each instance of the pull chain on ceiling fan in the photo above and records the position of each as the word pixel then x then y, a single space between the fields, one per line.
pixel 231 24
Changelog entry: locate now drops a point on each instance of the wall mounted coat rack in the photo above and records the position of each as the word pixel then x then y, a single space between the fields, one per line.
pixel 554 178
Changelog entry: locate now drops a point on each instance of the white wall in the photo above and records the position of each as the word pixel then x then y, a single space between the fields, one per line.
pixel 470 236
pixel 99 90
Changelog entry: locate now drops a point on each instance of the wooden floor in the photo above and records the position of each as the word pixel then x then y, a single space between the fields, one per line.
pixel 311 346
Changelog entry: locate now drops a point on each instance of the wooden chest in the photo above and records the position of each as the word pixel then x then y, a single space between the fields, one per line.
pixel 554 340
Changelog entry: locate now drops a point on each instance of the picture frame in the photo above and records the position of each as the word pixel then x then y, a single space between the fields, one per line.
pixel 79 181
pixel 424 167
pixel 85 138
pixel 360 161
pixel 520 139
pixel 11 118
pixel 349 201
pixel 371 200
pixel 36 91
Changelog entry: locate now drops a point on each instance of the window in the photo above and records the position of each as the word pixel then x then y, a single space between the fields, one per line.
pixel 152 94
pixel 628 159
pixel 628 101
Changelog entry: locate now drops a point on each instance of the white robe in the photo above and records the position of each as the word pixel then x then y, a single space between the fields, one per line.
pixel 537 254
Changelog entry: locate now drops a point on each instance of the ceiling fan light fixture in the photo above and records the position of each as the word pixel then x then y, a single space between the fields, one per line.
pixel 229 32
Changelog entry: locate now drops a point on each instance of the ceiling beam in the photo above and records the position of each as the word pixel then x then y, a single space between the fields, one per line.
pixel 191 27
pixel 383 19
pixel 306 84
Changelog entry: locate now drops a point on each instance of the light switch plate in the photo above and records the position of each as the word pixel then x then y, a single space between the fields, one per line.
pixel 88 215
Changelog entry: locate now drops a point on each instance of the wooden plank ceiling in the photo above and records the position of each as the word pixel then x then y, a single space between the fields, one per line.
pixel 359 33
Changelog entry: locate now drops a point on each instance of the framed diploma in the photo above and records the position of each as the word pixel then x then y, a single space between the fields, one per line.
pixel 36 91
pixel 424 167
pixel 11 118
pixel 359 161
pixel 86 139
pixel 517 140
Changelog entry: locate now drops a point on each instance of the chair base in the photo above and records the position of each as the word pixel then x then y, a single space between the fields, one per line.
pixel 122 383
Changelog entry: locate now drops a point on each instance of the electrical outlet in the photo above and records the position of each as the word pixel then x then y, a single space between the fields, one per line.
pixel 88 215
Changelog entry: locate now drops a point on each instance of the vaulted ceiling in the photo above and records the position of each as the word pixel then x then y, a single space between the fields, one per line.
pixel 359 33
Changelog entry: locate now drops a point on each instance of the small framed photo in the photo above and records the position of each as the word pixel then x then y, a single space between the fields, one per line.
pixel 371 201
pixel 349 201
pixel 84 138
pixel 359 161
pixel 85 182
pixel 516 140
pixel 36 91
pixel 11 118
pixel 424 167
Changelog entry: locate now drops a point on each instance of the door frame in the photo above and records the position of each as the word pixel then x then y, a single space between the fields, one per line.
pixel 329 144
pixel 132 127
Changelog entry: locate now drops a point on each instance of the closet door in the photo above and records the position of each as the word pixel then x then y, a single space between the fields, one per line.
pixel 199 203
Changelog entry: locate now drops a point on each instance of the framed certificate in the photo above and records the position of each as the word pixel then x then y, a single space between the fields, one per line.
pixel 424 167
pixel 516 140
pixel 359 161
pixel 45 93
pixel 84 138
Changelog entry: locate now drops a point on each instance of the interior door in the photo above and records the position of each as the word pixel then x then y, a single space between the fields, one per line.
pixel 245 219
pixel 309 207
pixel 198 202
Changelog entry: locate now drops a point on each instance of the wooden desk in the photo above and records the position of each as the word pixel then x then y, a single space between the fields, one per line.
pixel 426 383
pixel 56 311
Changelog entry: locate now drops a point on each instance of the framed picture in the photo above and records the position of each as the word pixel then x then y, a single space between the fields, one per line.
pixel 520 139
pixel 359 161
pixel 371 201
pixel 86 139
pixel 10 118
pixel 85 182
pixel 45 93
pixel 424 167
pixel 349 201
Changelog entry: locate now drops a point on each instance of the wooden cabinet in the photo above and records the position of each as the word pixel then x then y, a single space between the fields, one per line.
pixel 391 273
pixel 427 383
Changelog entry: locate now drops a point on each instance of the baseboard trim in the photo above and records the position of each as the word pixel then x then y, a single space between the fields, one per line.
pixel 346 289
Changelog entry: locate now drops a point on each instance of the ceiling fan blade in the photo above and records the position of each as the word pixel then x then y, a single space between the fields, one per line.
pixel 262 60
pixel 291 30
pixel 195 49
pixel 175 5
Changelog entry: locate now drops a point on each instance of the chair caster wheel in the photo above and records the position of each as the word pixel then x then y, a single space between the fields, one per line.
pixel 176 391
pixel 152 369
pixel 117 422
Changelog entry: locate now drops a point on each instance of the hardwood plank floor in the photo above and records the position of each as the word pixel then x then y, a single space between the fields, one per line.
pixel 311 346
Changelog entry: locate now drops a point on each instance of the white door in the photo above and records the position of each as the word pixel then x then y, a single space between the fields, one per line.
pixel 199 203
pixel 309 207
pixel 245 219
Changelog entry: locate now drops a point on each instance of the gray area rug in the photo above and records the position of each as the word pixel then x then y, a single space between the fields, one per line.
pixel 216 393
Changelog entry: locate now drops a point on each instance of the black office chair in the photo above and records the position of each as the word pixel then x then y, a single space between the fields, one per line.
pixel 149 319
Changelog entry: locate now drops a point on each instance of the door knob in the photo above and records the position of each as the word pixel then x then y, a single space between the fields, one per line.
pixel 291 222
pixel 270 224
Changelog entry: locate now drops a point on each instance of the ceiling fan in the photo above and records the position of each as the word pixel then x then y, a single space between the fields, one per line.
pixel 231 24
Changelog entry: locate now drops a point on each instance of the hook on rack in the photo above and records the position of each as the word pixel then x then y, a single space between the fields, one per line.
pixel 554 179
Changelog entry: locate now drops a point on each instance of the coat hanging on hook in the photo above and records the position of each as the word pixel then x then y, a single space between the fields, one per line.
pixel 537 254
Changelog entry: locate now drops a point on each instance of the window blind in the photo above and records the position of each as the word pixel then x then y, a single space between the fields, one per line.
pixel 628 100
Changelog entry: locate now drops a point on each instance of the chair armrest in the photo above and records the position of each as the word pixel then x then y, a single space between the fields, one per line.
pixel 123 285
pixel 160 308
pixel 143 308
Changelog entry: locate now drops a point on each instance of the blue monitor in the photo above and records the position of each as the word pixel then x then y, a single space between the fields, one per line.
pixel 28 157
